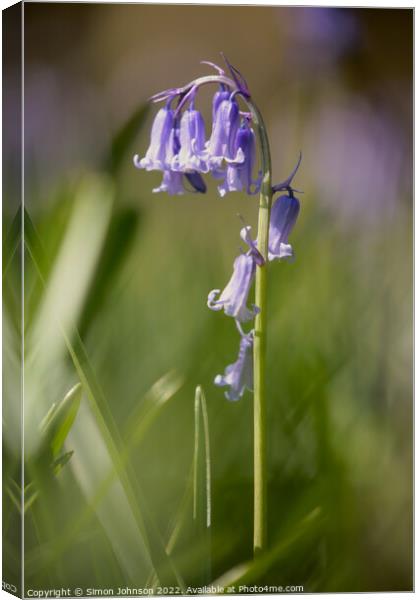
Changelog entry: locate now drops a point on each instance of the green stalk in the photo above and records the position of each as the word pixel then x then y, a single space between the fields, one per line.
pixel 260 419
pixel 260 343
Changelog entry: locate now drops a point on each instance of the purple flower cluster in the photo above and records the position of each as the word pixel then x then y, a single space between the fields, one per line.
pixel 179 147
pixel 233 300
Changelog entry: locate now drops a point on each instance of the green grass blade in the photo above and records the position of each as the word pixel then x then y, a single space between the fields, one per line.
pixel 60 420
pixel 251 572
pixel 153 547
pixel 11 240
pixel 125 137
pixel 118 242
pixel 148 410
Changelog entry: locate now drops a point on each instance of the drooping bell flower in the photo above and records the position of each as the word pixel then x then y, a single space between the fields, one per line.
pixel 239 375
pixel 159 153
pixel 220 146
pixel 233 300
pixel 283 216
pixel 238 175
pixel 253 250
pixel 191 156
pixel 218 97
pixel 173 182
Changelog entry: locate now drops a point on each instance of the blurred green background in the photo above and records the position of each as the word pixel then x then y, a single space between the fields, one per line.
pixel 116 281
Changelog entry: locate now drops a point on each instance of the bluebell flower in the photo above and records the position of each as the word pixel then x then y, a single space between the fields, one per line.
pixel 238 175
pixel 253 250
pixel 220 146
pixel 160 151
pixel 218 97
pixel 192 136
pixel 283 216
pixel 239 375
pixel 233 300
pixel 172 183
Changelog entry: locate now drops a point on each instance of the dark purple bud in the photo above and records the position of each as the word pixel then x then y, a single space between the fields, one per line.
pixel 197 182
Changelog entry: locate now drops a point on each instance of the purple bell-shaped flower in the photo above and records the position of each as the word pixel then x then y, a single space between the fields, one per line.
pixel 233 300
pixel 239 375
pixel 173 181
pixel 283 217
pixel 238 175
pixel 191 156
pixel 159 153
pixel 220 146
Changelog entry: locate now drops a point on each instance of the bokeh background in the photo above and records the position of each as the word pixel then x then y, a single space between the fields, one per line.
pixel 116 281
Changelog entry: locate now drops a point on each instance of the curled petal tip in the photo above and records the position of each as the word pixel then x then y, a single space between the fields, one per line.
pixel 212 303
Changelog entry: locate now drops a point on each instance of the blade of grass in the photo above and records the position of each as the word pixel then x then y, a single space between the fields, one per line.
pixel 152 541
pixel 60 420
pixel 198 489
pixel 119 239
pixel 124 137
pixel 11 241
pixel 153 402
pixel 251 572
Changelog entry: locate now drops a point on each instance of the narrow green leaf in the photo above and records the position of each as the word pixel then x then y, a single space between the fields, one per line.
pixel 124 137
pixel 11 240
pixel 251 572
pixel 61 461
pixel 150 407
pixel 150 536
pixel 118 242
pixel 60 419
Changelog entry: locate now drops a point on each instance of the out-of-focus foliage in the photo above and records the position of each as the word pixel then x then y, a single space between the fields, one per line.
pixel 116 281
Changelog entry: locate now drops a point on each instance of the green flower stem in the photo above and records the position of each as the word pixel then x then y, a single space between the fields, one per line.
pixel 260 343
